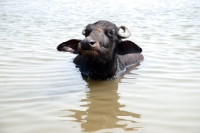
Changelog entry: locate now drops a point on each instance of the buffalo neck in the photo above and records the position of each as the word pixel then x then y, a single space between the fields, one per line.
pixel 97 70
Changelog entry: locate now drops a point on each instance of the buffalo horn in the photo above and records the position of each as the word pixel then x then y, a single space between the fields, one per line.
pixel 126 33
pixel 83 31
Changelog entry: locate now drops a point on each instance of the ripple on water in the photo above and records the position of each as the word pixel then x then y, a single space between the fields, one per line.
pixel 42 90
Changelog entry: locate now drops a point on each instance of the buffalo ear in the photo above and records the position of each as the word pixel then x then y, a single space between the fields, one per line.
pixel 127 47
pixel 69 46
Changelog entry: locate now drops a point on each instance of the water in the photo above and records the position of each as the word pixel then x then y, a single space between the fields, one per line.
pixel 42 91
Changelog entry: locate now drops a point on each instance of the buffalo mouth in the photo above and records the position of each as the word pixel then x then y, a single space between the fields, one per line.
pixel 92 52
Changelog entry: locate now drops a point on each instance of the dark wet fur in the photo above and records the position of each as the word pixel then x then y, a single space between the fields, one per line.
pixel 100 62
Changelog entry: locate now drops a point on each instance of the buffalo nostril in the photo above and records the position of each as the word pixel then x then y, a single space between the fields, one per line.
pixel 87 44
pixel 92 42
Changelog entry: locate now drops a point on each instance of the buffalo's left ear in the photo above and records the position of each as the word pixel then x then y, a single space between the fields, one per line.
pixel 126 47
pixel 69 46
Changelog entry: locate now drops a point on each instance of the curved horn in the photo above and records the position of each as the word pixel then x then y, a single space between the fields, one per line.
pixel 83 31
pixel 126 33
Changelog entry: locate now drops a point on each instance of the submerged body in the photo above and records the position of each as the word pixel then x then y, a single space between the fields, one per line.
pixel 102 53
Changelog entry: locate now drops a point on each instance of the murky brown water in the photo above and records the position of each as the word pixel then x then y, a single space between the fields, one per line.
pixel 41 91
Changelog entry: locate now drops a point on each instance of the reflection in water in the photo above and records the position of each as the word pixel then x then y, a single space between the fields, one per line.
pixel 104 110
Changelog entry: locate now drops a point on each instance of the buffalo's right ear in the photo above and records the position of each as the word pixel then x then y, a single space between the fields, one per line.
pixel 69 46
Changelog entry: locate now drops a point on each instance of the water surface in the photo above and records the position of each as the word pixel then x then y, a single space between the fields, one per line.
pixel 41 90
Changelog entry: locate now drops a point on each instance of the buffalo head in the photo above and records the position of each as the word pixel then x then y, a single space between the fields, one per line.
pixel 101 48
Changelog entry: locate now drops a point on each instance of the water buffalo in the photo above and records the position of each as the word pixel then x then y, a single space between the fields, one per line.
pixel 102 54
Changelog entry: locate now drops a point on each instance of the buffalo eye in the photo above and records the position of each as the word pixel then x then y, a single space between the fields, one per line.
pixel 111 33
pixel 86 32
